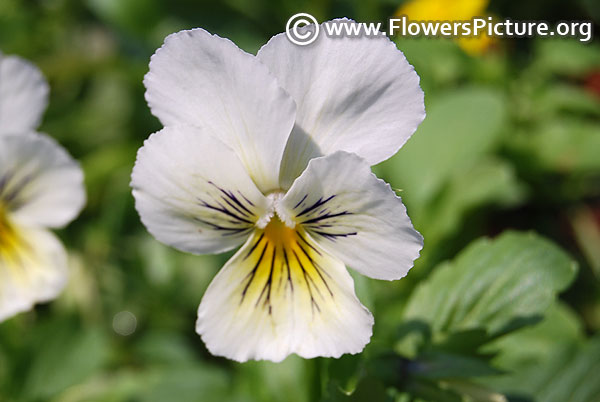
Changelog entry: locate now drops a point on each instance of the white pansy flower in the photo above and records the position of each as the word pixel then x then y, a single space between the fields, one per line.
pixel 273 152
pixel 41 187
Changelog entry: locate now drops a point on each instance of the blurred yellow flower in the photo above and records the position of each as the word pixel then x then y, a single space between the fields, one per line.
pixel 476 45
pixel 448 10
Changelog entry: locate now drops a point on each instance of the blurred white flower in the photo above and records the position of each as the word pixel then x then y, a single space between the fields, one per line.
pixel 41 187
pixel 273 152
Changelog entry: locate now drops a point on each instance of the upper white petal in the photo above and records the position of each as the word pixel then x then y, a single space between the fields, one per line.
pixel 33 269
pixel 40 183
pixel 354 94
pixel 280 295
pixel 23 95
pixel 203 80
pixel 193 193
pixel 354 215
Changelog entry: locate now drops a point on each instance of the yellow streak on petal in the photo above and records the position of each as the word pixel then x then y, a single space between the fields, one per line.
pixel 280 294
pixel 282 263
pixel 15 251
pixel 9 240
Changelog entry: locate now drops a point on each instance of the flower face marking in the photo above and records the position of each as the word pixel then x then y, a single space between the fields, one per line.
pixel 319 218
pixel 237 210
pixel 18 255
pixel 41 187
pixel 279 253
pixel 281 285
pixel 272 153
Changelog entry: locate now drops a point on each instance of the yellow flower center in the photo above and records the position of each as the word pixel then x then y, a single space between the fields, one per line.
pixel 278 234
pixel 279 261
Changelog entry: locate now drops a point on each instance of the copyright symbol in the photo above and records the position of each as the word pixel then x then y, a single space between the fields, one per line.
pixel 302 29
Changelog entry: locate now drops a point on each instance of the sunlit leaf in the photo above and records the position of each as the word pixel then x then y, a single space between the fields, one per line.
pixel 528 349
pixel 492 285
pixel 569 372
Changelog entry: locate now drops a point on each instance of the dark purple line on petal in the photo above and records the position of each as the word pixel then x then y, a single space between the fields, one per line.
pixel 247 200
pixel 252 273
pixel 316 267
pixel 307 243
pixel 301 201
pixel 317 204
pixel 325 216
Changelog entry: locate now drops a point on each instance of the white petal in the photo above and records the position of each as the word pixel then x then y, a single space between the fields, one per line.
pixel 33 267
pixel 281 294
pixel 23 95
pixel 40 184
pixel 206 81
pixel 354 94
pixel 192 192
pixel 354 215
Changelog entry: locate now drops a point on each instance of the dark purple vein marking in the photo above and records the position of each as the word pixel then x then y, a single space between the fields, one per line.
pixel 325 216
pixel 252 273
pixel 316 205
pixel 301 201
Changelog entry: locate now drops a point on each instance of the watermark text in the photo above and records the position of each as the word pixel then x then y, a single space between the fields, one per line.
pixel 303 29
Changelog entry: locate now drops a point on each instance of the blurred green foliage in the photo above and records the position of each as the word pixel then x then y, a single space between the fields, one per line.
pixel 511 141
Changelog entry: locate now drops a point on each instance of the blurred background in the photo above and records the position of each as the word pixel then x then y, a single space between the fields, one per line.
pixel 502 179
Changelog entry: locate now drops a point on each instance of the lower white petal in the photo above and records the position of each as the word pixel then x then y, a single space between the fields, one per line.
pixel 281 294
pixel 33 267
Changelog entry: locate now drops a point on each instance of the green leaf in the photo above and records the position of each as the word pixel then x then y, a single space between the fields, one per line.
pixel 166 347
pixel 368 389
pixel 439 62
pixel 569 375
pixel 136 16
pixel 566 56
pixel 267 381
pixel 489 181
pixel 526 350
pixel 569 372
pixel 183 383
pixel 460 127
pixel 560 97
pixel 188 383
pixel 345 373
pixel 531 345
pixel 67 356
pixel 437 366
pixel 492 285
pixel 433 391
pixel 471 391
pixel 561 145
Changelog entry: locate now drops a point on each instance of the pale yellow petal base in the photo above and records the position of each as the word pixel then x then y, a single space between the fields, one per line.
pixel 281 294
